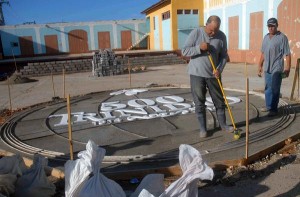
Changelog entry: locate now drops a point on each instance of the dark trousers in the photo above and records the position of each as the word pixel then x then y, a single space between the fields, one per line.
pixel 199 86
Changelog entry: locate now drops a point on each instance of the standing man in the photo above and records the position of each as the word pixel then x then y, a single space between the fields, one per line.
pixel 275 47
pixel 199 44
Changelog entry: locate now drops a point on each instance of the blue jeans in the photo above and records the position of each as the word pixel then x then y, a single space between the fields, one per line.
pixel 272 90
pixel 198 88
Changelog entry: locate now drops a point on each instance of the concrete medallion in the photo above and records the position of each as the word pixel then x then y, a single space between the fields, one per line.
pixel 139 124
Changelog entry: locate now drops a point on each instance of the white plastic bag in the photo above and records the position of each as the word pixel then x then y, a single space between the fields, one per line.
pixel 77 172
pixel 193 168
pixel 151 184
pixel 99 185
pixel 34 182
pixel 80 183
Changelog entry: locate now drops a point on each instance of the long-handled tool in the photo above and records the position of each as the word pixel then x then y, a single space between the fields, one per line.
pixel 236 132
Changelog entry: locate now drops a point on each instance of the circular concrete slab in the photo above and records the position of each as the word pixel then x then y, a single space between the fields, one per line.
pixel 139 124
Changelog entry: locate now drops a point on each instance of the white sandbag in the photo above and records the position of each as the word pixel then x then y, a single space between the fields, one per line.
pixel 12 165
pixel 99 185
pixel 34 182
pixel 7 184
pixel 81 182
pixel 193 168
pixel 77 172
pixel 145 193
pixel 152 184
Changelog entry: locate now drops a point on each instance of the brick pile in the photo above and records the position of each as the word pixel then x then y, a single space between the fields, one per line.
pixel 56 67
pixel 156 60
pixel 85 65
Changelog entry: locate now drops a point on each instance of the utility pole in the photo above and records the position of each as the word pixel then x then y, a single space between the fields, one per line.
pixel 2 21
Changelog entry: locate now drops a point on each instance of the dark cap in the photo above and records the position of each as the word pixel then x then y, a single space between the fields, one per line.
pixel 272 21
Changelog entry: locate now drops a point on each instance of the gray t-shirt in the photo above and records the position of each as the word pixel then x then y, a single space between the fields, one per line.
pixel 199 64
pixel 274 50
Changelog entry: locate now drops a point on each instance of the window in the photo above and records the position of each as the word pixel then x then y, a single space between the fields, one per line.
pixel 166 15
pixel 187 11
pixel 14 44
pixel 179 11
pixel 154 22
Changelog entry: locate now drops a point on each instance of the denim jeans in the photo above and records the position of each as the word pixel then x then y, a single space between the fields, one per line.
pixel 198 88
pixel 272 90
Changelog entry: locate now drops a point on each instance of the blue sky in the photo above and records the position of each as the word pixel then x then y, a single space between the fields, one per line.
pixel 51 11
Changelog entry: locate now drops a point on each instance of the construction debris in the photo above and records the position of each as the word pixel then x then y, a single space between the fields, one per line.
pixel 16 78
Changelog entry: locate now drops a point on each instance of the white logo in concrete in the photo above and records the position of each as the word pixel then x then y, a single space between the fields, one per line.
pixel 129 92
pixel 136 109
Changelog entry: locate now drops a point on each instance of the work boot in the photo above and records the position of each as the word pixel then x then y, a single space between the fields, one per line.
pixel 272 113
pixel 203 134
pixel 222 121
pixel 202 124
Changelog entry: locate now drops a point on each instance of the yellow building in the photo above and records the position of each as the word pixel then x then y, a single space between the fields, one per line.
pixel 171 21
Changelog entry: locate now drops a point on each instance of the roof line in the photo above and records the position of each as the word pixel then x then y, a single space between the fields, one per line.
pixel 154 6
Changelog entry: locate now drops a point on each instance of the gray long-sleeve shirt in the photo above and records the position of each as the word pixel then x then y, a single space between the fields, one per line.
pixel 199 64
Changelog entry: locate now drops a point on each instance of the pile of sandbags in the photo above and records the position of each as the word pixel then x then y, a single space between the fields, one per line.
pixel 83 176
pixel 18 180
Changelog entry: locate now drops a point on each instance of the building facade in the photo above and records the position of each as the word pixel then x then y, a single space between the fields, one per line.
pixel 170 22
pixel 71 38
pixel 243 21
pixel 245 24
pixel 166 27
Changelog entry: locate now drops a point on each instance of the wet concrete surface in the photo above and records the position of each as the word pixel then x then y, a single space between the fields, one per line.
pixel 144 135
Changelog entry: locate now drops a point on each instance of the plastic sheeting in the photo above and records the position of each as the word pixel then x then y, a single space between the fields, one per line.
pixel 7 184
pixel 12 165
pixel 10 168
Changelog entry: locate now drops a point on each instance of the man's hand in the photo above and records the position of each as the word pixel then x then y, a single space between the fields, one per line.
pixel 216 73
pixel 260 65
pixel 204 46
pixel 260 70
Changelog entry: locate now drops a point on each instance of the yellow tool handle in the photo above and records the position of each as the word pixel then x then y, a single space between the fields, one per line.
pixel 221 87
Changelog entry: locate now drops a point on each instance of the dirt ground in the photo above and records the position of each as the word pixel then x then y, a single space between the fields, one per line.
pixel 275 175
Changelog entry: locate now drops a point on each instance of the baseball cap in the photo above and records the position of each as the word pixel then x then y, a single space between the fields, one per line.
pixel 272 21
